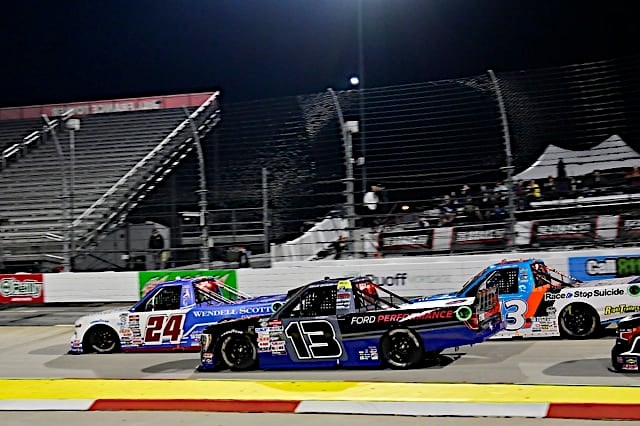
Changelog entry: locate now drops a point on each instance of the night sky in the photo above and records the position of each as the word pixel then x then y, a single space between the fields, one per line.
pixel 63 51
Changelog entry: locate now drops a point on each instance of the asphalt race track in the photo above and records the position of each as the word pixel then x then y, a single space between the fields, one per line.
pixel 34 344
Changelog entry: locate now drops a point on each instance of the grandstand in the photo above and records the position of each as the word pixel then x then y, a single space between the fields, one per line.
pixel 121 150
pixel 277 169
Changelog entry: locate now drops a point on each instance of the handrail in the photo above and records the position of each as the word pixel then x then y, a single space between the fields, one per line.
pixel 31 138
pixel 144 160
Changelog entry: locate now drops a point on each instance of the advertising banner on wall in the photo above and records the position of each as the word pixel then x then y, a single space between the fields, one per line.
pixel 466 238
pixel 21 288
pixel 563 231
pixel 629 228
pixel 147 280
pixel 589 268
pixel 407 241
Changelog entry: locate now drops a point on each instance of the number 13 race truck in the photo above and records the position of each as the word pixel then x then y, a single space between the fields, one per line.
pixel 350 322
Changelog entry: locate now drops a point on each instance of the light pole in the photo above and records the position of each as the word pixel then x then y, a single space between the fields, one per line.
pixel 361 79
pixel 66 241
pixel 509 167
pixel 73 125
pixel 347 129
pixel 202 192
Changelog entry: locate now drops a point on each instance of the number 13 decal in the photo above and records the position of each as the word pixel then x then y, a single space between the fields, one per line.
pixel 314 339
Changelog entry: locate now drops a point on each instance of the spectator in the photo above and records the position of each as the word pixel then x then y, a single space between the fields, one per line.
pixel 471 210
pixel 485 205
pixel 339 246
pixel 595 184
pixel 520 192
pixel 533 191
pixel 423 222
pixel 447 211
pixel 500 188
pixel 549 189
pixel 633 179
pixel 498 213
pixel 564 187
pixel 371 202
pixel 156 244
pixel 562 170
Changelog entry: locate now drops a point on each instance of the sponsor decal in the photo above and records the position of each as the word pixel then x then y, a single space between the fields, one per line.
pixel 560 230
pixel 21 288
pixel 585 294
pixel 465 237
pixel 621 309
pixel 368 354
pixel 414 240
pixel 398 279
pixel 148 280
pixel 633 290
pixel 603 267
pixel 463 313
pixel 215 313
pixel 433 314
pixel 552 232
pixel 473 237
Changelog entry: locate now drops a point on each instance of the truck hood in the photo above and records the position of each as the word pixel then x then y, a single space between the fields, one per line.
pixel 438 296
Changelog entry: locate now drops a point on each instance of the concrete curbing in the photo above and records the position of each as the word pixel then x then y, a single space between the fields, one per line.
pixel 323 397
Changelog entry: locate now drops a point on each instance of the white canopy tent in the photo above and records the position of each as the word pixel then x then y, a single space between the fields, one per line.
pixel 612 153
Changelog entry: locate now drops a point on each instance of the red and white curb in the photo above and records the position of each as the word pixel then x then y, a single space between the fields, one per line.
pixel 458 409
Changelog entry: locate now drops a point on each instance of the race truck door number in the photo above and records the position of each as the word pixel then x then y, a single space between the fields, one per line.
pixel 515 311
pixel 313 339
pixel 164 329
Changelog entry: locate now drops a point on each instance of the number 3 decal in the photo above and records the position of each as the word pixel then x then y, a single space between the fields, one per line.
pixel 515 311
pixel 157 328
pixel 317 339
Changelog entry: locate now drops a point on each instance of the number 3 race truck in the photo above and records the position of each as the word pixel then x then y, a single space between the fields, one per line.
pixel 538 301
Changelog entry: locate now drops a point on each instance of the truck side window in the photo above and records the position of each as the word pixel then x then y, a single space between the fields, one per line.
pixel 166 298
pixel 505 280
pixel 317 301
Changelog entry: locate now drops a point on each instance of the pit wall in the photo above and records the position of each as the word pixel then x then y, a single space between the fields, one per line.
pixel 406 276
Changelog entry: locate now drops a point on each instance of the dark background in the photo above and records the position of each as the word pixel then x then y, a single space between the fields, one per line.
pixel 61 51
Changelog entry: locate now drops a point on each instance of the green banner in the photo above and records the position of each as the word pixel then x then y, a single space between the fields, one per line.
pixel 147 280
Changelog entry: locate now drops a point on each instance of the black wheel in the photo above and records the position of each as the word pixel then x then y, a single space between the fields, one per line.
pixel 579 321
pixel 101 339
pixel 238 351
pixel 615 352
pixel 401 348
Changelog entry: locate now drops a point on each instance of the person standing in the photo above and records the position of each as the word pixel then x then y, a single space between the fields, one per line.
pixel 371 201
pixel 156 245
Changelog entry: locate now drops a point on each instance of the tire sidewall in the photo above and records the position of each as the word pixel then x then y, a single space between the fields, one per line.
pixel 565 332
pixel 386 342
pixel 99 330
pixel 226 342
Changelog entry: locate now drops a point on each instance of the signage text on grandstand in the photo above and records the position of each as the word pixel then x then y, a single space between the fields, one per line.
pixel 108 106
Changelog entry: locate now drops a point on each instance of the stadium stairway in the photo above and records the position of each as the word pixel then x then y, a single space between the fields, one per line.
pixel 118 159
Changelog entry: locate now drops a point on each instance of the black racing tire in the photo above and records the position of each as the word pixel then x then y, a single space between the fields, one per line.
pixel 401 348
pixel 101 339
pixel 615 352
pixel 238 351
pixel 579 321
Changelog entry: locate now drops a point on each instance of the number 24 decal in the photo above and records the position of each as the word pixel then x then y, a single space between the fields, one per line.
pixel 314 339
pixel 161 326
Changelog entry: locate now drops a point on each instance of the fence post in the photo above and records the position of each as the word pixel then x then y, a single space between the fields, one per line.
pixel 509 160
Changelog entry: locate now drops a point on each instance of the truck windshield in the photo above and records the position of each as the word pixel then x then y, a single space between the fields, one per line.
pixel 467 286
